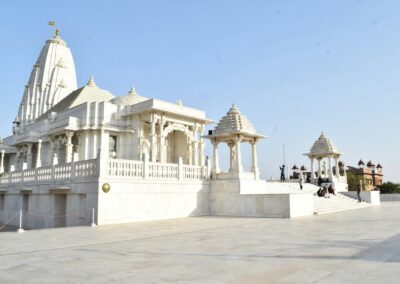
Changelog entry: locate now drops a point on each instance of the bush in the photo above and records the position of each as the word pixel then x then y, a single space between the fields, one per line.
pixel 354 180
pixel 389 187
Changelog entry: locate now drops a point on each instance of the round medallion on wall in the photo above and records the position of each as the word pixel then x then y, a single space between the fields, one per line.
pixel 106 187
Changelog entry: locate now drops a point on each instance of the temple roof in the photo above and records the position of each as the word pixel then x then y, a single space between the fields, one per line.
pixel 235 122
pixel 52 78
pixel 86 94
pixel 130 99
pixel 323 147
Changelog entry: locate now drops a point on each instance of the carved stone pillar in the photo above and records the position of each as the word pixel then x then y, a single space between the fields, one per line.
pixel 238 161
pixel 190 150
pixel 2 161
pixel 215 168
pixel 161 154
pixel 195 145
pixel 337 168
pixel 39 154
pixel 319 168
pixel 201 146
pixel 153 139
pixel 231 146
pixel 29 155
pixel 69 147
pixel 312 168
pixel 330 169
pixel 254 163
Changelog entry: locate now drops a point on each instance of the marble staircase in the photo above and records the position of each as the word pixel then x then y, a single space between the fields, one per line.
pixel 335 203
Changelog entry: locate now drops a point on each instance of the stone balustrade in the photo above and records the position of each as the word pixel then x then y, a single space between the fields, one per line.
pixel 152 170
pixel 42 175
pixel 131 169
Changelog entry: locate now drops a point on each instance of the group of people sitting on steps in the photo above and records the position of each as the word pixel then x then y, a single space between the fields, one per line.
pixel 323 191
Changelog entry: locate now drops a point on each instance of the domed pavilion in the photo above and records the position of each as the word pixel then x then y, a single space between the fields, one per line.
pixel 324 150
pixel 233 129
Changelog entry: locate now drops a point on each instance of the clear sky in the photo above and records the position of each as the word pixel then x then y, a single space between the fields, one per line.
pixel 294 68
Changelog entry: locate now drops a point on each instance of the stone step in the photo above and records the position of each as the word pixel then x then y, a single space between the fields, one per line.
pixel 336 203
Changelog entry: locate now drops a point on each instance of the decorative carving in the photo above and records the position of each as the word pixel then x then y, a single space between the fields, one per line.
pixel 178 127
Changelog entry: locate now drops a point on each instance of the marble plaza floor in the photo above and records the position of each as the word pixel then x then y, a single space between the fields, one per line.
pixel 356 246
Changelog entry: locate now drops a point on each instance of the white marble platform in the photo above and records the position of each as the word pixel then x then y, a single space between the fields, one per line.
pixel 357 246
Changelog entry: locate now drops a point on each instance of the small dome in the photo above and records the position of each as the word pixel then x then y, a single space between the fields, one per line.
pixel 295 167
pixel 379 166
pixel 370 164
pixel 303 168
pixel 323 146
pixel 130 99
pixel 234 122
pixel 361 163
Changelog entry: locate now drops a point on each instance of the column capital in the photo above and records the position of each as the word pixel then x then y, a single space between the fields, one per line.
pixel 69 134
pixel 238 138
pixel 214 141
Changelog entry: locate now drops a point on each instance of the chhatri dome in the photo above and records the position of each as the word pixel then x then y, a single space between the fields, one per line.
pixel 323 147
pixel 52 78
pixel 235 122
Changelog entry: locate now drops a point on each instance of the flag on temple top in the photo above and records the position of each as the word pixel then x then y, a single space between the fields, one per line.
pixel 52 23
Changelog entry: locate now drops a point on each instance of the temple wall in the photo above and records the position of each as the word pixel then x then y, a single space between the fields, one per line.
pixel 143 200
pixel 49 206
pixel 227 199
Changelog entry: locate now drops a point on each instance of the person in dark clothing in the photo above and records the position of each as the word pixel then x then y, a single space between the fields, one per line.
pixel 331 190
pixel 319 181
pixel 358 192
pixel 282 173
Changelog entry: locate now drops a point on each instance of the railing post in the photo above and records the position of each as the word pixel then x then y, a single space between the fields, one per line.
pixel 146 166
pixel 102 163
pixel 180 168
pixel 52 172
pixel 208 167
pixel 73 170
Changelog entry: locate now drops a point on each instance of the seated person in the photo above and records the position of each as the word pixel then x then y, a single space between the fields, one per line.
pixel 331 190
pixel 320 192
pixel 325 192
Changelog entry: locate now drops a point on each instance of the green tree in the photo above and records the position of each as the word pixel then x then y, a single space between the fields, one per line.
pixel 354 180
pixel 389 187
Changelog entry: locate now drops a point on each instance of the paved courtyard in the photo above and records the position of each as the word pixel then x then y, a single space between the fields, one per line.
pixel 356 246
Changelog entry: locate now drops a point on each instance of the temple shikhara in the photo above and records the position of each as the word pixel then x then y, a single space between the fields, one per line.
pixel 83 155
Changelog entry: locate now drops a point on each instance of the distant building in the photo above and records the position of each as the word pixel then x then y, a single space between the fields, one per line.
pixel 371 174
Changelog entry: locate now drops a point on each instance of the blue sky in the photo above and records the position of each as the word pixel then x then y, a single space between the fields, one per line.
pixel 294 68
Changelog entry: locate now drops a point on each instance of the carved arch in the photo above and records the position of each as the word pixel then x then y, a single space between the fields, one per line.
pixel 179 127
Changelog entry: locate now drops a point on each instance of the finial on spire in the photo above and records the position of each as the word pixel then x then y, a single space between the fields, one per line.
pixel 132 91
pixel 56 30
pixel 91 82
pixel 234 109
